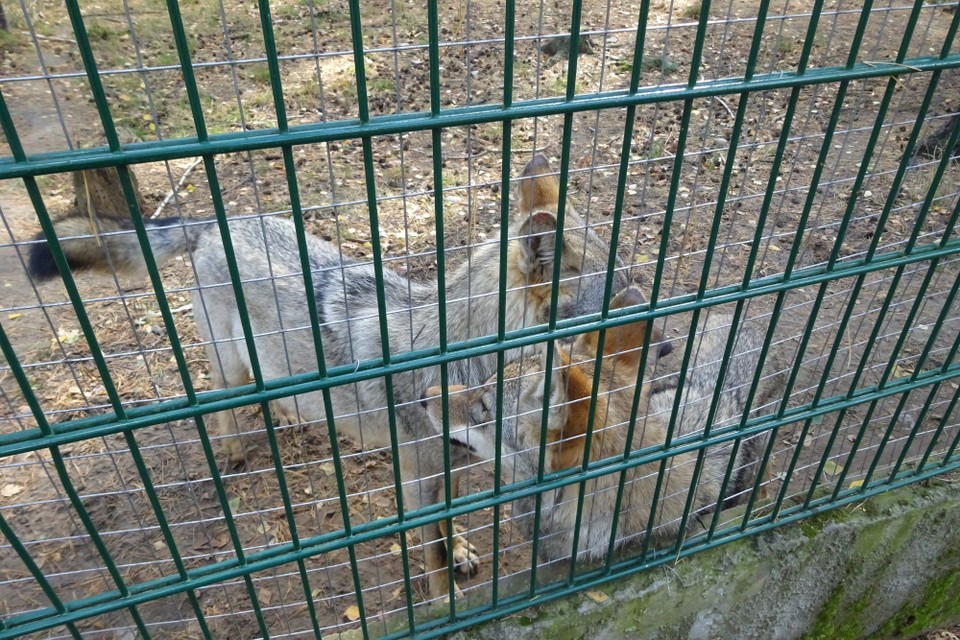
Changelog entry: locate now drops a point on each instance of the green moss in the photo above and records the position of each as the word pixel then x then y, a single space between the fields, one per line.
pixel 938 606
pixel 839 619
pixel 812 526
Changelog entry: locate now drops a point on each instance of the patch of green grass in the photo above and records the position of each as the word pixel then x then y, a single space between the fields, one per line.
pixel 44 27
pixel 285 11
pixel 99 32
pixel 303 93
pixel 662 63
pixel 519 140
pixel 449 179
pixel 258 99
pixel 623 66
pixel 692 11
pixel 491 132
pixel 167 58
pixel 344 89
pixel 10 39
pixel 559 85
pixel 657 149
pixel 785 45
pixel 261 73
pixel 382 84
pixel 223 119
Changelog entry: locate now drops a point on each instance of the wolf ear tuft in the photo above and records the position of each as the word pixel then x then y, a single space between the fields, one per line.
pixel 537 238
pixel 538 189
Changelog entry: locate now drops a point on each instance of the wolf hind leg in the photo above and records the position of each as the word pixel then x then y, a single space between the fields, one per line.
pixel 227 370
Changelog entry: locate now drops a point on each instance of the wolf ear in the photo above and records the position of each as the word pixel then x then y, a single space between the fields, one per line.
pixel 624 341
pixel 537 238
pixel 538 189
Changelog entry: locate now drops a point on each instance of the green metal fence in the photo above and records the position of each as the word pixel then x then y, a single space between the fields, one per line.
pixel 794 167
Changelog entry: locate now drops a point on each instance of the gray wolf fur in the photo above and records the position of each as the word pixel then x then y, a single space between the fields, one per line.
pixel 472 425
pixel 346 295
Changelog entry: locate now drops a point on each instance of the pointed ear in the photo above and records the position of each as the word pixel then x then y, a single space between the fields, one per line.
pixel 624 341
pixel 537 238
pixel 538 190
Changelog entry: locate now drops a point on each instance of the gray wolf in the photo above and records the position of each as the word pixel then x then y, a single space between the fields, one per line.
pixel 345 292
pixel 472 426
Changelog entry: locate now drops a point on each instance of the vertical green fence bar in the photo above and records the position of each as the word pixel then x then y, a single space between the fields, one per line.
pixel 371 188
pixel 505 173
pixel 703 20
pixel 622 175
pixel 744 99
pixel 433 33
pixel 571 90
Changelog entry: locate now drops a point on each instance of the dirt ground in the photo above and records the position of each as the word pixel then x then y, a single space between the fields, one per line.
pixel 148 105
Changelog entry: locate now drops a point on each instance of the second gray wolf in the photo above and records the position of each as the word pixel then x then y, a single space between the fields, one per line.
pixel 473 426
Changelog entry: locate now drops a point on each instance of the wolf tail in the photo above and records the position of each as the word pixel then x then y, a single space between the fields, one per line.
pixel 110 245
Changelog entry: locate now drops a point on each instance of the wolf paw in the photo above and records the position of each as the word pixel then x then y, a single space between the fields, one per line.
pixel 465 557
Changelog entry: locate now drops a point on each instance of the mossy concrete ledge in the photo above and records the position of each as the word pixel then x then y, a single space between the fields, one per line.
pixel 886 568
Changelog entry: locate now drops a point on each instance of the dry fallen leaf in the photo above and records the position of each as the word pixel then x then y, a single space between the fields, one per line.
pixel 265 596
pixel 352 613
pixel 598 596
pixel 856 483
pixel 395 549
pixel 328 468
pixel 10 490
pixel 831 468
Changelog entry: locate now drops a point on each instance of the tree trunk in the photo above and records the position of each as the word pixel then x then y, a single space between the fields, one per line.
pixel 100 190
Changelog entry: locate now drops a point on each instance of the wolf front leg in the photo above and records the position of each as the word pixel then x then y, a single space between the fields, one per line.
pixel 421 467
pixel 228 370
pixel 466 560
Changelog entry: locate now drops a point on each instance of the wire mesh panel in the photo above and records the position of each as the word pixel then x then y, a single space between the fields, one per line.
pixel 388 318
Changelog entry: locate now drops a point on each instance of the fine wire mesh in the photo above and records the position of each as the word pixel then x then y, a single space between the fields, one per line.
pixel 827 174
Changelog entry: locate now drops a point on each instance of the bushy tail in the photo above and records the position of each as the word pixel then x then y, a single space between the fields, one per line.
pixel 111 245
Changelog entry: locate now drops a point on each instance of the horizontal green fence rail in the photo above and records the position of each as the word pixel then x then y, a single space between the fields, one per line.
pixel 898 244
pixel 136 153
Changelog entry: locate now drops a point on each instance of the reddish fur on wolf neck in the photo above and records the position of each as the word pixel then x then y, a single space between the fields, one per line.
pixel 618 373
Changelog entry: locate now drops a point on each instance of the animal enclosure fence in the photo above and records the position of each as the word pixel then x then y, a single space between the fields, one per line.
pixel 792 166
